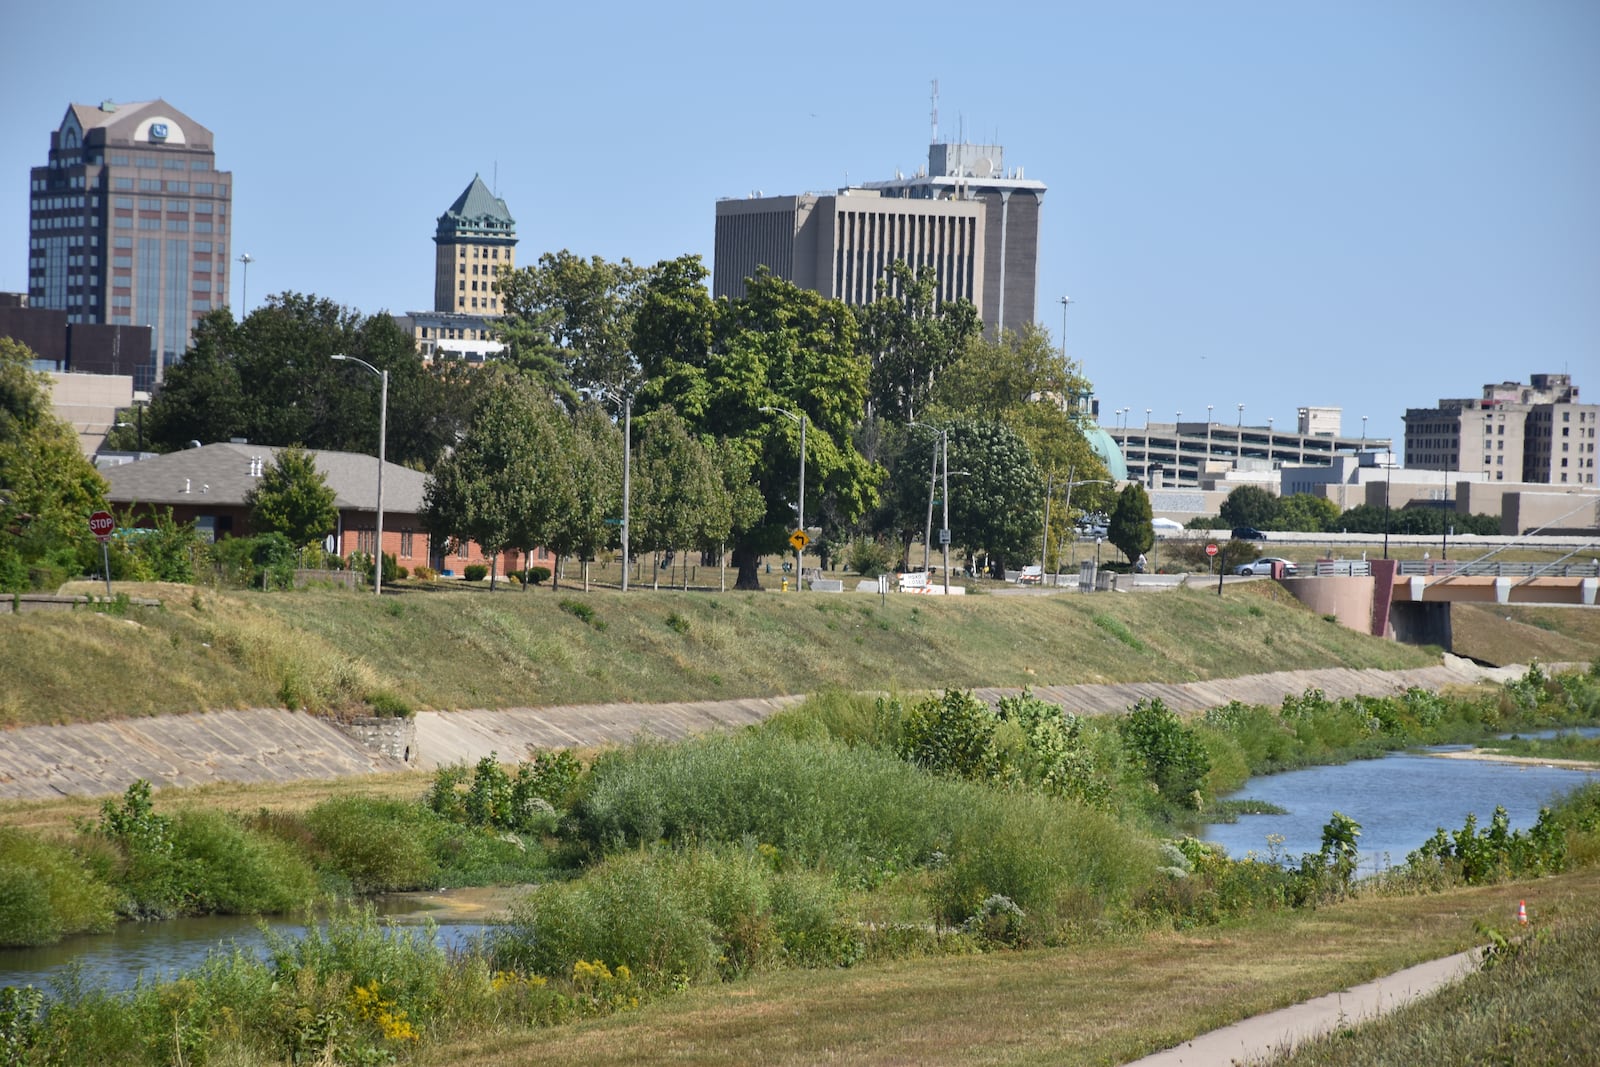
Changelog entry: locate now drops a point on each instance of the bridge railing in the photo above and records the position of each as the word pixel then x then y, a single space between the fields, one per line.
pixel 1343 568
pixel 1488 569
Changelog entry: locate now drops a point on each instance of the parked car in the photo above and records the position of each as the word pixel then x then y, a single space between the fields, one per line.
pixel 1264 566
pixel 1248 533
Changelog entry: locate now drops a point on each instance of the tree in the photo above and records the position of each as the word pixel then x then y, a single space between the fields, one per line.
pixel 292 497
pixel 269 379
pixel 997 498
pixel 1306 512
pixel 1129 528
pixel 1249 505
pixel 574 314
pixel 779 346
pixel 593 473
pixel 48 489
pixel 504 486
pixel 909 337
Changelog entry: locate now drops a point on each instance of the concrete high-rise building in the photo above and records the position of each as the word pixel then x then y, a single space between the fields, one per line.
pixel 474 239
pixel 841 245
pixel 964 216
pixel 1537 432
pixel 1011 205
pixel 129 224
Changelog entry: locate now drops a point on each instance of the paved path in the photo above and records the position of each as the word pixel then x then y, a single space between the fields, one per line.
pixel 267 745
pixel 1262 1037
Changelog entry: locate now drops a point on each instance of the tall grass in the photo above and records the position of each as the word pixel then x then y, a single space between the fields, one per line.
pixel 47 893
pixel 866 815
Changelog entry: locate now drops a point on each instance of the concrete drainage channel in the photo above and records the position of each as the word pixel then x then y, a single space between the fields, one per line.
pixel 274 745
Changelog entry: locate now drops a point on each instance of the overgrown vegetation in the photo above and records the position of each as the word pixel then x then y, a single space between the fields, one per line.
pixel 843 830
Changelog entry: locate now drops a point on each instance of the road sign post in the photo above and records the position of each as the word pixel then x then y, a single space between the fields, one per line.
pixel 102 525
pixel 1211 551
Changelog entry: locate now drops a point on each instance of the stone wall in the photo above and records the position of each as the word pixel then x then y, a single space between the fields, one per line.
pixel 388 735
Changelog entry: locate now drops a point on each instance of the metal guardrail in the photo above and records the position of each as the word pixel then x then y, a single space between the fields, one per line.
pixel 1445 567
pixel 1343 568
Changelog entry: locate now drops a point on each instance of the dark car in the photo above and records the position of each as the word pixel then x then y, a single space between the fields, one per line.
pixel 1248 533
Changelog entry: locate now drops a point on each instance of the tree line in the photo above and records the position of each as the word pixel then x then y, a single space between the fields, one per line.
pixel 526 449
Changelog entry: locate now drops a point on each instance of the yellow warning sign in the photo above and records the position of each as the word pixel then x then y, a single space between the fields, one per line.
pixel 799 540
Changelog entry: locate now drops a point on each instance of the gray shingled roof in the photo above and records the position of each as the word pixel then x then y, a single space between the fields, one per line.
pixel 222 473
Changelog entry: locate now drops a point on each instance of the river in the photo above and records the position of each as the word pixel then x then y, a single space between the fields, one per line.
pixel 1399 800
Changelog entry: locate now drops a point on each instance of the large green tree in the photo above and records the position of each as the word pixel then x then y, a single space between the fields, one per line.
pixel 1250 505
pixel 1306 512
pixel 910 337
pixel 505 486
pixel 48 489
pixel 269 379
pixel 782 348
pixel 292 497
pixel 1129 527
pixel 569 320
pixel 996 494
pixel 592 469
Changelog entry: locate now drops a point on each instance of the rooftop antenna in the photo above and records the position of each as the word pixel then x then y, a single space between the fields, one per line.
pixel 935 115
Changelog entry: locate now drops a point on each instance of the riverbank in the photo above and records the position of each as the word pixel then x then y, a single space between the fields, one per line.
pixel 273 745
pixel 1532 761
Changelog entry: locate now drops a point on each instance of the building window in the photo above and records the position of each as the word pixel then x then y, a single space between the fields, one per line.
pixel 405 544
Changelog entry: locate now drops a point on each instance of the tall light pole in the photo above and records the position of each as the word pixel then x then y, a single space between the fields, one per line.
pixel 1363 433
pixel 1177 450
pixel 1146 449
pixel 244 285
pixel 944 530
pixel 383 435
pixel 626 399
pixel 1238 446
pixel 1208 437
pixel 1064 302
pixel 799 553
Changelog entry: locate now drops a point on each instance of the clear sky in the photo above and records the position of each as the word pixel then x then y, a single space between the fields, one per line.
pixel 1358 204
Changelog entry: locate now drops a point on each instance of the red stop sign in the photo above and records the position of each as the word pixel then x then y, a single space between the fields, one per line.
pixel 1211 550
pixel 101 524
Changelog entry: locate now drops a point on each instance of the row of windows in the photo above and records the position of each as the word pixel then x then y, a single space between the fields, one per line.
pixel 156 185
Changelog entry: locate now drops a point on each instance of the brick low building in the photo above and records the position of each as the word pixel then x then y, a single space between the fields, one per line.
pixel 208 486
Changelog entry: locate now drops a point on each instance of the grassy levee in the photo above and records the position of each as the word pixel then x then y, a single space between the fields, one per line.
pixel 1103 1002
pixel 330 650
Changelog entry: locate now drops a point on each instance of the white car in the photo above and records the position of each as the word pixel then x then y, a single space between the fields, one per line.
pixel 1264 566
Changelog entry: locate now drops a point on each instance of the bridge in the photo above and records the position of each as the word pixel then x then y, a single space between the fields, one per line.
pixel 1410 600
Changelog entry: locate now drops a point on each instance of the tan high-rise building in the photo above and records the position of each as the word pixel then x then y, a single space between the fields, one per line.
pixel 1538 432
pixel 129 224
pixel 475 238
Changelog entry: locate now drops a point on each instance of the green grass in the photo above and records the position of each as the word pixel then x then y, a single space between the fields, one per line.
pixel 337 650
pixel 1532 1004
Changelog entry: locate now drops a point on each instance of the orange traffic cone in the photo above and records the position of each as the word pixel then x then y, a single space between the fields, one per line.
pixel 1522 912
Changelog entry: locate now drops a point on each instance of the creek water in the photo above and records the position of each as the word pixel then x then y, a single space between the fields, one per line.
pixel 1399 800
pixel 135 952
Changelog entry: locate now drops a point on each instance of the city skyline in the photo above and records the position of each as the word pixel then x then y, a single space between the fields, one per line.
pixel 1363 208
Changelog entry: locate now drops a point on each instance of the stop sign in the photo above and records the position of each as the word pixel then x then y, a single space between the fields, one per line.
pixel 101 524
pixel 1211 550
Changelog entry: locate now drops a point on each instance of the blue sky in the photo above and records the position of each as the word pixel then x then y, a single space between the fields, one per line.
pixel 1362 204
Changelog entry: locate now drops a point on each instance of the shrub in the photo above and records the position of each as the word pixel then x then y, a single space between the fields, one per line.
pixel 231 870
pixel 475 572
pixel 952 734
pixel 583 613
pixel 47 893
pixel 537 575
pixel 423 573
pixel 869 558
pixel 379 845
pixel 1170 754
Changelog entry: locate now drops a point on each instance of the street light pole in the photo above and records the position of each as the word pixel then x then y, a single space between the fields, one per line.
pixel 383 436
pixel 244 285
pixel 944 530
pixel 1177 451
pixel 1064 302
pixel 799 553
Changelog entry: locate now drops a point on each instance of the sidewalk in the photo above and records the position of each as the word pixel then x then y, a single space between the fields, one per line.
pixel 1264 1036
